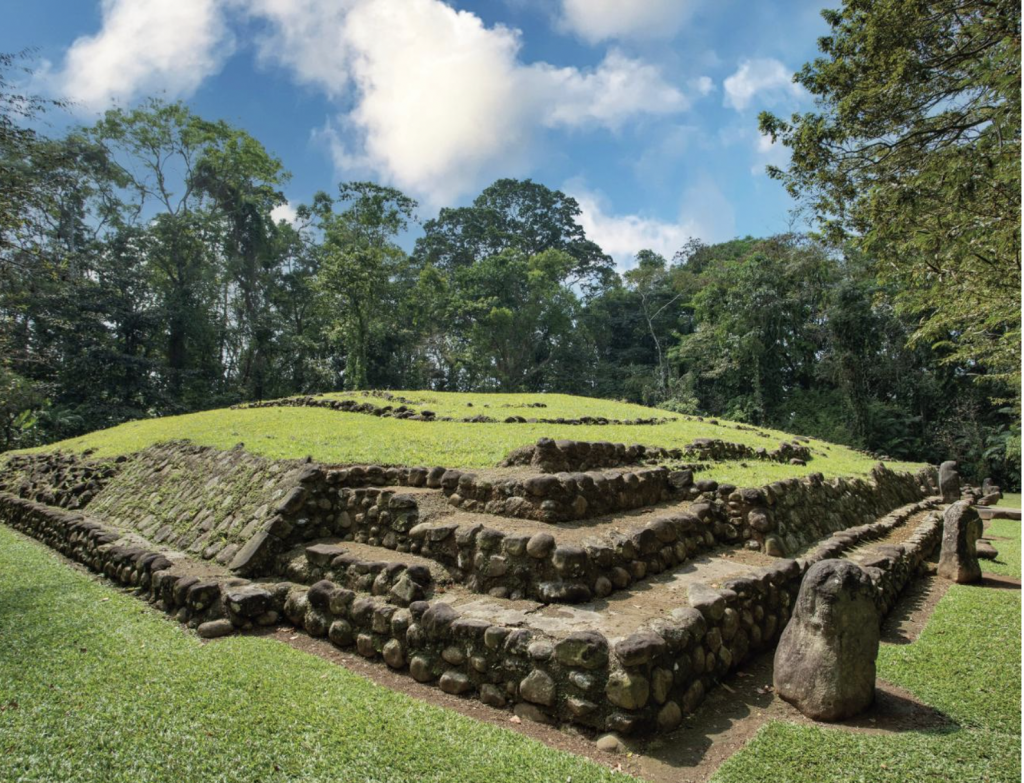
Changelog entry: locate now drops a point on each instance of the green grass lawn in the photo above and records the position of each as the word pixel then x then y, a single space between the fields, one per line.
pixel 97 686
pixel 1009 500
pixel 333 437
pixel 966 663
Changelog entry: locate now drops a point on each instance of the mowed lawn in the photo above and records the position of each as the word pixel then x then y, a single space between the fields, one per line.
pixel 339 438
pixel 966 663
pixel 97 686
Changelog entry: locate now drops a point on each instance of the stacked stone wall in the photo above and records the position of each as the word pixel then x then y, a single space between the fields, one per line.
pixel 556 456
pixel 645 681
pixel 57 478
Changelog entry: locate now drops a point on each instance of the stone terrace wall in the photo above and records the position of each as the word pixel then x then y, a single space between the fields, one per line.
pixel 556 456
pixel 508 565
pixel 163 578
pixel 784 516
pixel 199 500
pixel 63 479
pixel 559 497
pixel 647 680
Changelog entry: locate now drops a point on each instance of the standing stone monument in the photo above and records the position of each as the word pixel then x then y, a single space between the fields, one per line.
pixel 949 482
pixel 961 529
pixel 825 661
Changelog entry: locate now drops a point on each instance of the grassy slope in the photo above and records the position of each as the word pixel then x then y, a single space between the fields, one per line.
pixel 333 437
pixel 96 686
pixel 966 663
pixel 1009 500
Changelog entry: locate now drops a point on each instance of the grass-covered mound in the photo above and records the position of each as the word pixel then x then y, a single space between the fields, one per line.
pixel 335 437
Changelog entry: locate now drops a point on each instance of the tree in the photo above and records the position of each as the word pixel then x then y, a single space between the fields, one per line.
pixel 361 266
pixel 521 319
pixel 650 280
pixel 914 155
pixel 511 214
pixel 205 191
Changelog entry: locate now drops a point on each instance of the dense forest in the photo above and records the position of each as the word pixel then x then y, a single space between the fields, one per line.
pixel 142 274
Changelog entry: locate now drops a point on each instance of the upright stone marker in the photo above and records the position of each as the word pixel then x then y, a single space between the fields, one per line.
pixel 961 529
pixel 825 661
pixel 949 482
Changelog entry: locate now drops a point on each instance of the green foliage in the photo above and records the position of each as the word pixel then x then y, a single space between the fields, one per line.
pixel 97 686
pixel 142 274
pixel 361 267
pixel 519 215
pixel 914 152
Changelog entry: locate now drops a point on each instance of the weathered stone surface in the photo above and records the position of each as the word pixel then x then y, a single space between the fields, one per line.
pixel 825 661
pixel 540 545
pixel 584 649
pixel 628 690
pixel 215 628
pixel 393 655
pixel 708 601
pixel 949 482
pixel 538 687
pixel 610 743
pixel 985 550
pixel 669 716
pixel 961 529
pixel 455 683
pixel 639 648
pixel 248 601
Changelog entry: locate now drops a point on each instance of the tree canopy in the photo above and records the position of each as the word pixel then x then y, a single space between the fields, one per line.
pixel 913 154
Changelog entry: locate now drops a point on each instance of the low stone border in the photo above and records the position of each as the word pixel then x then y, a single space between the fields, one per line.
pixel 214 605
pixel 403 411
pixel 398 582
pixel 556 456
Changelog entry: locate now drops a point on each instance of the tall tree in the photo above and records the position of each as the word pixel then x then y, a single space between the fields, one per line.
pixel 361 266
pixel 519 215
pixel 914 154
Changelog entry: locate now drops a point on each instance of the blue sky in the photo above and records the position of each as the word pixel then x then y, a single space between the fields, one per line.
pixel 644 110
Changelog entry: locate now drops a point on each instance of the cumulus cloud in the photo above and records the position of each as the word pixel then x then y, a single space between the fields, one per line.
pixel 618 89
pixel 438 100
pixel 623 236
pixel 429 98
pixel 703 85
pixel 142 47
pixel 766 80
pixel 285 212
pixel 599 20
pixel 704 213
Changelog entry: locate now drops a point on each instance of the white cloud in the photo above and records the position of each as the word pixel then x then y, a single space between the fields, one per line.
pixel 438 100
pixel 768 153
pixel 429 98
pixel 703 85
pixel 598 20
pixel 623 236
pixel 768 80
pixel 284 212
pixel 142 47
pixel 309 37
pixel 618 89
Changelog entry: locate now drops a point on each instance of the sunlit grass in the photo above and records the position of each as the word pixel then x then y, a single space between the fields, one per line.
pixel 334 437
